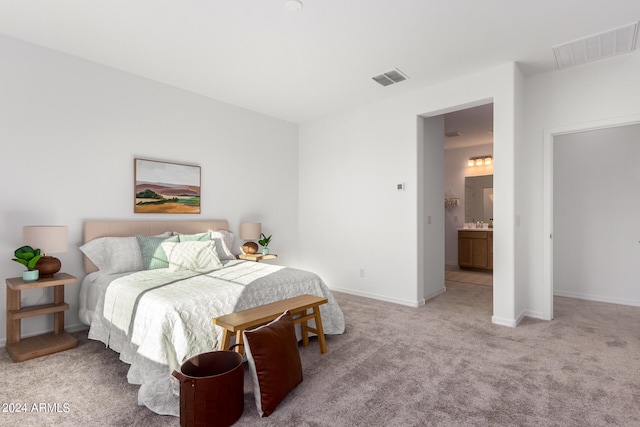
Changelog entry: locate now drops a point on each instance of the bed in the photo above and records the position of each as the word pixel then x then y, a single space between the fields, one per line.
pixel 157 314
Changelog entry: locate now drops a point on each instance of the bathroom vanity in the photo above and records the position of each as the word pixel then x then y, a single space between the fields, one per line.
pixel 475 248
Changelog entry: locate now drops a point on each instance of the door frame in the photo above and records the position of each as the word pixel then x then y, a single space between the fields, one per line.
pixel 547 191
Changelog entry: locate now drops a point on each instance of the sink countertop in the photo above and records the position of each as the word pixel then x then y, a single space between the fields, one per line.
pixel 476 229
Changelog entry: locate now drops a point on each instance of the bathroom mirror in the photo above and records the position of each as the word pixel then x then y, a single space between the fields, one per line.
pixel 478 198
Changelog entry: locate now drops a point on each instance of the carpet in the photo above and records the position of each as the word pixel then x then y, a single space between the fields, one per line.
pixel 443 364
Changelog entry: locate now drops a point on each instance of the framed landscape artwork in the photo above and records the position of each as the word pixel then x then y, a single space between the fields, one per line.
pixel 163 187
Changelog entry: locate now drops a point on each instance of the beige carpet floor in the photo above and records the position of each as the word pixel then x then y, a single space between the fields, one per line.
pixel 443 364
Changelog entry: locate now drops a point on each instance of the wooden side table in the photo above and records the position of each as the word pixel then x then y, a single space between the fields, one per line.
pixel 256 257
pixel 24 349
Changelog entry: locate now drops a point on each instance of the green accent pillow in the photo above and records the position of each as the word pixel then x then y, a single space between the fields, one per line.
pixel 153 256
pixel 200 237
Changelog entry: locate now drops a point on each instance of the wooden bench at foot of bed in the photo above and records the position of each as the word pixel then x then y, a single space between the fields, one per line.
pixel 235 323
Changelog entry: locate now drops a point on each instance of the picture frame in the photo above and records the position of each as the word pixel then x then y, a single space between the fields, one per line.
pixel 165 187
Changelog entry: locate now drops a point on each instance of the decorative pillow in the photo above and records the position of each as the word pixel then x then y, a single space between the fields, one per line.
pixel 153 256
pixel 274 362
pixel 224 243
pixel 194 255
pixel 200 237
pixel 114 254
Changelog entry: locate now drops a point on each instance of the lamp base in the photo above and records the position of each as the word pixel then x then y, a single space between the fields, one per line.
pixel 48 266
pixel 250 248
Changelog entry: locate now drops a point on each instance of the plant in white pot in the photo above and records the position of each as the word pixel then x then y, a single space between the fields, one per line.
pixel 28 257
pixel 264 242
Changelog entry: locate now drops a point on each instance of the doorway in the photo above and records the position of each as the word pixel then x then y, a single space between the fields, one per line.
pixel 621 292
pixel 431 195
pixel 468 192
pixel 430 198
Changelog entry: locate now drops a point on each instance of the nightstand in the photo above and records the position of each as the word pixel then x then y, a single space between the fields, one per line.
pixel 24 349
pixel 256 257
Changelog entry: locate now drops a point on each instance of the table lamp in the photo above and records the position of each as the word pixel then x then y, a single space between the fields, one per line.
pixel 49 239
pixel 250 231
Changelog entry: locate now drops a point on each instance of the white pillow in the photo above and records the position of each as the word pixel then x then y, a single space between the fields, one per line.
pixel 192 255
pixel 114 254
pixel 224 243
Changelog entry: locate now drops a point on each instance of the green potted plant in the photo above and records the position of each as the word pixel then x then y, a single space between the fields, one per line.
pixel 28 257
pixel 264 242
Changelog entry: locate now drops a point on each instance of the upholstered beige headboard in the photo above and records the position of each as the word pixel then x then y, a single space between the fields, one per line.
pixel 99 228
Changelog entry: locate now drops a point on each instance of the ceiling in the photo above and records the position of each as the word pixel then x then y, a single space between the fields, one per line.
pixel 471 126
pixel 299 66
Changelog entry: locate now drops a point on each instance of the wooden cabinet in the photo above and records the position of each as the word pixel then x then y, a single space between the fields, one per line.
pixel 475 249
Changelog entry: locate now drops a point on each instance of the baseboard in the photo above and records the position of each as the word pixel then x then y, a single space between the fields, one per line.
pixel 434 294
pixel 76 328
pixel 533 314
pixel 503 321
pixel 598 298
pixel 69 328
pixel 418 303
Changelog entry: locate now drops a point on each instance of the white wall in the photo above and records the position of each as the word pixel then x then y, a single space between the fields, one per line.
pixel 576 98
pixel 430 183
pixel 69 130
pixel 80 125
pixel 595 214
pixel 351 214
pixel 455 171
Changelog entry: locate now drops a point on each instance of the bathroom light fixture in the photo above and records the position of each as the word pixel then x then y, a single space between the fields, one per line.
pixel 480 161
pixel 293 5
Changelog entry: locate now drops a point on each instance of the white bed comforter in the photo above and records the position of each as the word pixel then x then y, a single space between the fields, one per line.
pixel 156 319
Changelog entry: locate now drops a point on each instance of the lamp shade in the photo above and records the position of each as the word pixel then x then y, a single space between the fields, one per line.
pixel 250 230
pixel 49 239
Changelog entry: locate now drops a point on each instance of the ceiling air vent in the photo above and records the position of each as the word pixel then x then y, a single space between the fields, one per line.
pixel 453 134
pixel 390 77
pixel 598 46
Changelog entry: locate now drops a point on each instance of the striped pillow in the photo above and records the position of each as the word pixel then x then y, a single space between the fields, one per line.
pixel 153 256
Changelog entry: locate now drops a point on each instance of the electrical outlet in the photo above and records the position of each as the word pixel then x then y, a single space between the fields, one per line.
pixel 362 272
